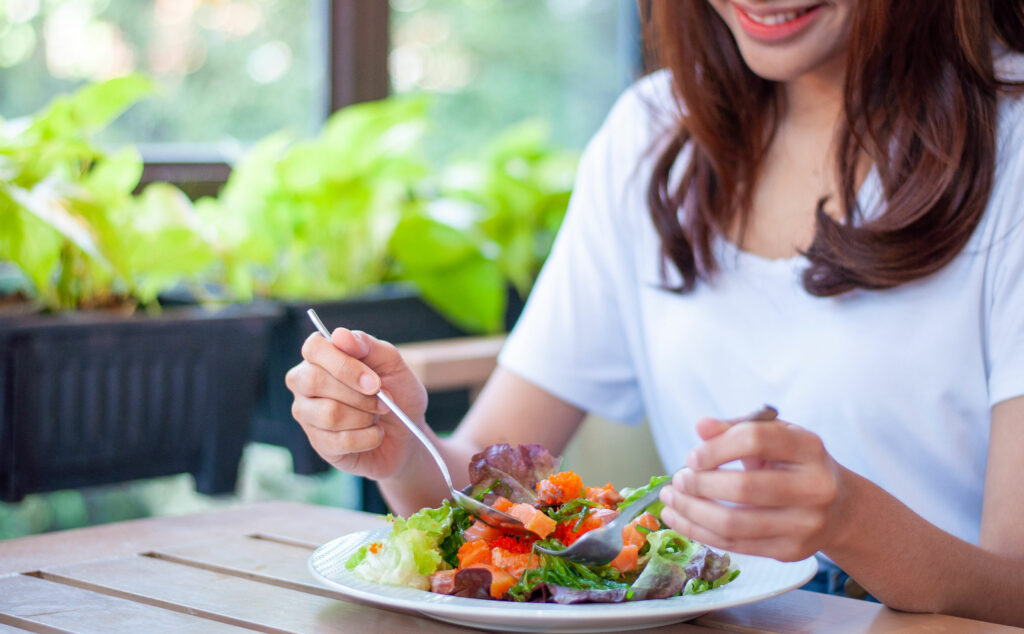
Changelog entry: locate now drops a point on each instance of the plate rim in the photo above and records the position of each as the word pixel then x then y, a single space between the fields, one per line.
pixel 438 606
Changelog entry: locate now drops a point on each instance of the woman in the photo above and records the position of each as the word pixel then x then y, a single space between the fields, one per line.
pixel 832 223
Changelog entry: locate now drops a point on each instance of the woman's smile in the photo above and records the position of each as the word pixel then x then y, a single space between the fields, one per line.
pixel 775 24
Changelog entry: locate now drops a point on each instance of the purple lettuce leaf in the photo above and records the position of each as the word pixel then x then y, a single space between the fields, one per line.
pixel 511 472
pixel 472 583
pixel 564 595
pixel 707 565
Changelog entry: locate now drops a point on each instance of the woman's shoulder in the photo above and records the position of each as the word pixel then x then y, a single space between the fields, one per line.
pixel 645 111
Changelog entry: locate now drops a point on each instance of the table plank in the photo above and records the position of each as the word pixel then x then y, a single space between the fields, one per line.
pixel 38 604
pixel 233 599
pixel 264 560
pixel 803 611
pixel 301 522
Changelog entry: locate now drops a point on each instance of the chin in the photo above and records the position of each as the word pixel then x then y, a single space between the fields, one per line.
pixel 784 66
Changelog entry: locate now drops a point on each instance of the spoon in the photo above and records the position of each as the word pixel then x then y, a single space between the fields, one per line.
pixel 489 515
pixel 601 545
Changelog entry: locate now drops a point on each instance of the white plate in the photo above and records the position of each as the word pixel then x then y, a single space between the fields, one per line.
pixel 759 578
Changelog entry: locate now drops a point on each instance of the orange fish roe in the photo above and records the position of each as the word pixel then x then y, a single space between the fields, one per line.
pixel 559 488
pixel 513 544
pixel 375 547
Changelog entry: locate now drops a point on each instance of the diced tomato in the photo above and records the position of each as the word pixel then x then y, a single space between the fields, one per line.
pixel 630 534
pixel 605 495
pixel 534 520
pixel 559 488
pixel 512 563
pixel 443 581
pixel 501 580
pixel 626 560
pixel 479 530
pixel 474 552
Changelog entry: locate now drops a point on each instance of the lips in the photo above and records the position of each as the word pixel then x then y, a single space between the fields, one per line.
pixel 775 25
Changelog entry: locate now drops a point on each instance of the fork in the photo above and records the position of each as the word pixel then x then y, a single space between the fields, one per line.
pixel 601 545
pixel 488 514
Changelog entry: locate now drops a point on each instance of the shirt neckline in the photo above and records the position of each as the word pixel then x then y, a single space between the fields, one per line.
pixel 867 197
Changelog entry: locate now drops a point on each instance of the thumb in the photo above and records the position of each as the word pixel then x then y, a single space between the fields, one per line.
pixel 708 428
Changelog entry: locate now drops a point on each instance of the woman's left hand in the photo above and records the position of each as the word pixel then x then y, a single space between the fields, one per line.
pixel 786 503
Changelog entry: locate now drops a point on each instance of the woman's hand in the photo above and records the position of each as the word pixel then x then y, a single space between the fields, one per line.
pixel 785 504
pixel 335 390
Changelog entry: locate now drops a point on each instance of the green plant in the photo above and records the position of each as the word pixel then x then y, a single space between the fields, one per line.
pixel 68 217
pixel 520 184
pixel 312 219
pixel 490 224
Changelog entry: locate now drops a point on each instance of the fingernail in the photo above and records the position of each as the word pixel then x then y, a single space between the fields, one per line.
pixel 368 383
pixel 678 481
pixel 666 496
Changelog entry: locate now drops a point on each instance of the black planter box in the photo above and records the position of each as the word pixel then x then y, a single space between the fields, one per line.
pixel 396 314
pixel 92 398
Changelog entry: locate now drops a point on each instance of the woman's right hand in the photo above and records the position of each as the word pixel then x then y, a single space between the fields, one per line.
pixel 335 389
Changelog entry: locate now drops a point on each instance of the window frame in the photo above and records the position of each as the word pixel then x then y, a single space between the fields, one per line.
pixel 357 39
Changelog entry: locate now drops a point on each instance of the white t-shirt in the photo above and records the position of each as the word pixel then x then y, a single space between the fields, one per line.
pixel 898 383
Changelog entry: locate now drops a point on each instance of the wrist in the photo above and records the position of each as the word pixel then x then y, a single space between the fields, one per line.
pixel 848 531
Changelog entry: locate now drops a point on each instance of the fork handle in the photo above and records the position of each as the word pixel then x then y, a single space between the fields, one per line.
pixel 627 514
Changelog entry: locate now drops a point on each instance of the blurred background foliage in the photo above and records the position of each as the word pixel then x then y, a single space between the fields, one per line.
pixel 230 73
pixel 222 66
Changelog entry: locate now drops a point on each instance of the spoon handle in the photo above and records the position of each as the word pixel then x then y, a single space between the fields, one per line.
pixel 395 409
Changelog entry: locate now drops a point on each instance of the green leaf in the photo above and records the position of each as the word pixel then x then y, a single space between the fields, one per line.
pixel 472 294
pixel 424 244
pixel 96 105
pixel 118 173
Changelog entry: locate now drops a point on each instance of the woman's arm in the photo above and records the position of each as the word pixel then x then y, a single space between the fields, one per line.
pixel 808 502
pixel 509 409
pixel 335 388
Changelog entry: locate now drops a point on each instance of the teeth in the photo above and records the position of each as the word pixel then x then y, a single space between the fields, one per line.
pixel 776 18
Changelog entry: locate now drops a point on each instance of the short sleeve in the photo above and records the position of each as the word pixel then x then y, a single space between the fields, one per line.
pixel 1005 283
pixel 571 338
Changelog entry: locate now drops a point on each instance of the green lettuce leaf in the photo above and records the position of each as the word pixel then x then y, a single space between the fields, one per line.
pixel 631 495
pixel 411 553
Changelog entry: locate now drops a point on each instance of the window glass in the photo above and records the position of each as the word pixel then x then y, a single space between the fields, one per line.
pixel 228 70
pixel 491 63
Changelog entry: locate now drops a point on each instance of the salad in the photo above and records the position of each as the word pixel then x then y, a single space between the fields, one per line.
pixel 446 550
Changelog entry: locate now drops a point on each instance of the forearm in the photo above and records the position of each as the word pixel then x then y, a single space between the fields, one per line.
pixel 910 564
pixel 419 482
pixel 509 410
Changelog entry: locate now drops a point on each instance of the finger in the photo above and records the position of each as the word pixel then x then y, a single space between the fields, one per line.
pixel 377 354
pixel 737 523
pixel 330 415
pixel 774 442
pixel 332 445
pixel 312 381
pixel 341 365
pixel 781 548
pixel 708 428
pixel 762 488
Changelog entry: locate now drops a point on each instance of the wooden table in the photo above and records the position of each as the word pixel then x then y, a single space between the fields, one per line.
pixel 245 568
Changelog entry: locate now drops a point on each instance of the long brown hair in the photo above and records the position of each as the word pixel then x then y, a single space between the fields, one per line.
pixel 920 103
